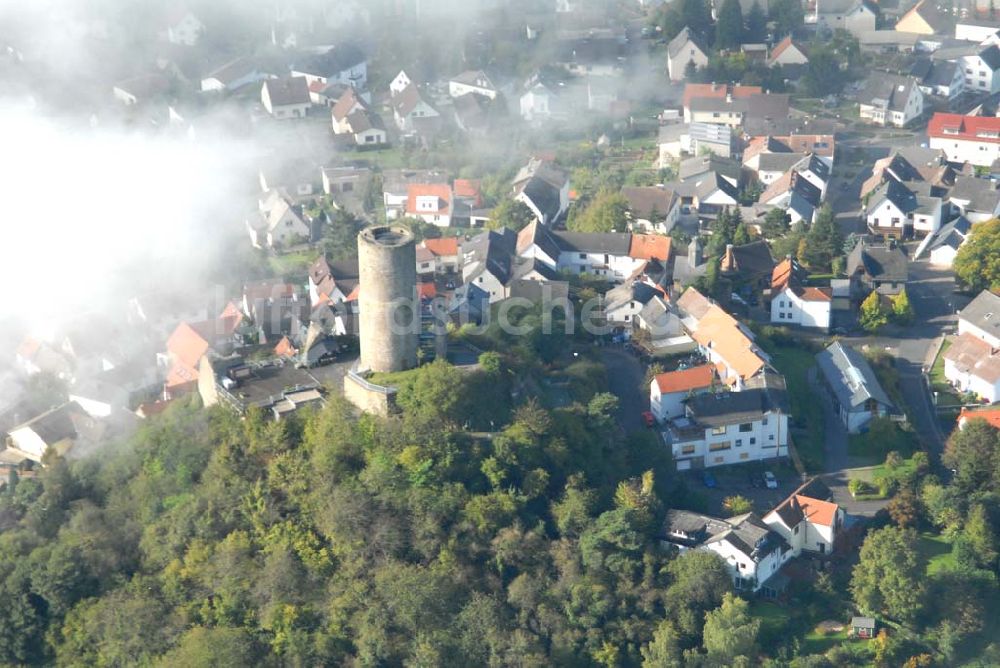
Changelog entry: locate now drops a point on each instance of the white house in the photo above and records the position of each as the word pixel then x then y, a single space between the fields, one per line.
pixel 732 427
pixel 793 303
pixel 668 391
pixel 857 395
pixel 472 81
pixel 684 49
pixel 408 106
pixel 787 53
pixel 941 78
pixel 891 100
pixel 854 16
pixel 278 222
pixel 972 361
pixel 431 202
pixel 982 69
pixel 652 208
pixel 544 188
pixel 399 83
pixel 807 524
pixel 904 210
pixel 56 430
pixel 971 139
pixel 184 28
pixel 978 199
pixel 944 247
pixel 286 98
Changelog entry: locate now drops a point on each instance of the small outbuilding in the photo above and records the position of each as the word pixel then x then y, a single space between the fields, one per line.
pixel 863 627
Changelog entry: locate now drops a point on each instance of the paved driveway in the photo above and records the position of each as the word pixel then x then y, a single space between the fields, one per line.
pixel 625 375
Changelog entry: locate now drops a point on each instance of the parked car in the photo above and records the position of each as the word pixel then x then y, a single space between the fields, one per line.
pixel 755 480
pixel 648 419
pixel 770 481
pixel 709 480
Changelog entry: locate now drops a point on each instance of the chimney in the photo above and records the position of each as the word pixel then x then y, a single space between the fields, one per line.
pixel 788 256
pixel 729 248
pixel 694 252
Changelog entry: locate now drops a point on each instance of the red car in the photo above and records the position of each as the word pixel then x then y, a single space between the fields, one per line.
pixel 648 419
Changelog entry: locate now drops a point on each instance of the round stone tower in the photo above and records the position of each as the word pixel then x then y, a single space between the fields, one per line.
pixel 388 304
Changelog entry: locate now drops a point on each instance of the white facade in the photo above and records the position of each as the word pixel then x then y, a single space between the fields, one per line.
pixel 885 215
pixel 979 76
pixel 789 308
pixel 481 87
pixel 943 256
pixel 677 64
pixel 399 84
pixel 283 111
pixel 670 405
pixel 968 382
pixel 968 32
pixel 966 327
pixel 536 104
pixel 763 438
pixel 974 152
pixel 856 20
pixel 746 573
pixel 617 267
pixel 806 535
pixel 913 108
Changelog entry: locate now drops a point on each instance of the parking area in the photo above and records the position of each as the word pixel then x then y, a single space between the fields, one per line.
pixel 739 481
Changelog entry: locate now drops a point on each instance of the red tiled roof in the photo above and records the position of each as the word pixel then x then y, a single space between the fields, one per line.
pixel 782 46
pixel 439 190
pixel 444 246
pixel 817 294
pixel 693 91
pixel 695 378
pixel 968 128
pixel 778 187
pixel 819 512
pixel 650 247
pixel 426 290
pixel 467 188
pixel 783 273
pixel 991 415
pixel 187 345
pixel 285 348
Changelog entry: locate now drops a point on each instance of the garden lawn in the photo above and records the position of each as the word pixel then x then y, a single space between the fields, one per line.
pixel 806 408
pixel 937 550
pixel 817 642
pixel 292 265
pixel 946 395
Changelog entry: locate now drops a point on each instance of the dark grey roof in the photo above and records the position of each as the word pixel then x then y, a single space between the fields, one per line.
pixel 902 197
pixel 805 189
pixel 56 424
pixel 752 259
pixel 981 194
pixel 726 408
pixel 523 266
pixel 612 243
pixel 779 162
pixel 363 120
pixel 863 622
pixel 851 377
pixel 546 197
pixel 819 167
pixel 690 168
pixel 288 90
pixel 645 201
pixel 623 294
pixel 885 90
pixel 881 263
pixel 682 38
pixel 751 537
pixel 540 235
pixel 983 312
pixel 952 234
pixel 938 73
pixel 713 181
pixel 331 63
pixel 991 56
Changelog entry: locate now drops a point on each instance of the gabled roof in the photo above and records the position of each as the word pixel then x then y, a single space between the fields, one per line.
pixel 187 345
pixel 347 104
pixel 693 167
pixel 983 129
pixel 784 45
pixel 851 377
pixel 983 312
pixel 56 424
pixel 718 91
pixel 686 380
pixel 684 37
pixel 476 78
pixel 952 234
pixel 881 263
pixel 725 408
pixel 786 273
pixel 288 90
pixel 779 162
pixel 407 100
pixel 441 192
pixel 537 234
pixel 442 247
pixel 611 243
pixel 990 415
pixel 749 259
pixel 887 91
pixel 645 201
pixel 363 120
pixel 938 22
pixel 650 247
pixel 971 355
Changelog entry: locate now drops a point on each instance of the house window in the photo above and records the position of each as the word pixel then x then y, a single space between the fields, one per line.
pixel 687 450
pixel 746 426
pixel 583 256
pixel 796 529
pixel 744 455
pixel 719 460
pixel 753 441
pixel 739 443
pixel 716 431
pixel 721 445
pixel 763 421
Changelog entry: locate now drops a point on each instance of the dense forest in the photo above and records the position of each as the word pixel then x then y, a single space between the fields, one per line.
pixel 337 539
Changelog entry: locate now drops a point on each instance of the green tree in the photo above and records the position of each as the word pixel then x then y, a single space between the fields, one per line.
pixel 980 535
pixel 775 223
pixel 697 15
pixel 787 15
pixel 977 263
pixel 902 310
pixel 737 505
pixel 889 578
pixel 756 24
pixel 824 240
pixel 741 235
pixel 340 235
pixel 730 634
pixel 608 212
pixel 729 26
pixel 700 579
pixel 823 74
pixel 973 453
pixel 212 647
pixel 873 315
pixel 510 213
pixel 664 650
